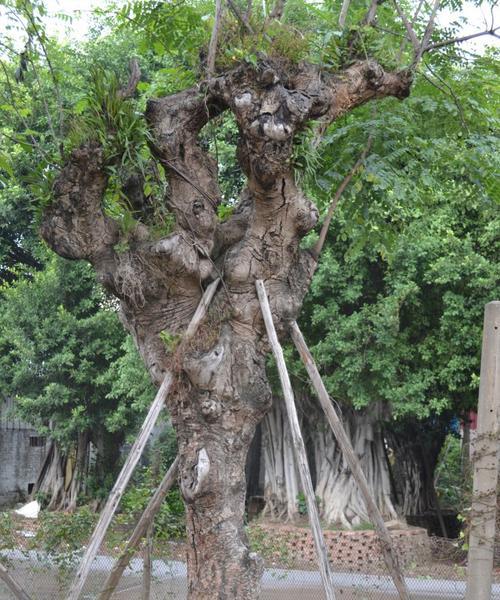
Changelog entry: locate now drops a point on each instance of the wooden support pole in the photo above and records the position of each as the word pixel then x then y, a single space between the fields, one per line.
pixel 146 564
pixel 12 584
pixel 133 458
pixel 212 47
pixel 390 556
pixel 298 443
pixel 140 531
pixel 485 462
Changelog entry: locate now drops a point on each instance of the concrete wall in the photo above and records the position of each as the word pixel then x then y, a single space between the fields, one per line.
pixel 22 451
pixel 20 463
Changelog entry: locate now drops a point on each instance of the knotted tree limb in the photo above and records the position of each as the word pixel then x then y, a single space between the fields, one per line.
pixel 136 451
pixel 140 530
pixel 298 444
pixel 390 556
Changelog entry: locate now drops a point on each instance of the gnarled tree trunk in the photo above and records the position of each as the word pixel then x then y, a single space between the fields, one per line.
pixel 340 497
pixel 63 474
pixel 221 390
pixel 415 446
pixel 340 500
pixel 281 477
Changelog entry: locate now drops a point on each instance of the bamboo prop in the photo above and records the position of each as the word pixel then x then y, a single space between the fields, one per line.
pixel 485 461
pixel 390 556
pixel 298 444
pixel 134 456
pixel 12 584
pixel 140 531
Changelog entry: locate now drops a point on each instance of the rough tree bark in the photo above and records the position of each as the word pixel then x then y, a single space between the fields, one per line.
pixel 221 389
pixel 281 479
pixel 63 474
pixel 415 446
pixel 341 500
pixel 339 496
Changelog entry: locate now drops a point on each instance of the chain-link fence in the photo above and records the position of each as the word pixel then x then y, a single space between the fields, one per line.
pixel 434 568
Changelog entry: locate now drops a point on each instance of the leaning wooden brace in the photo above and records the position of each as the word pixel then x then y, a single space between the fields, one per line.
pixel 390 556
pixel 12 584
pixel 298 444
pixel 134 455
pixel 140 530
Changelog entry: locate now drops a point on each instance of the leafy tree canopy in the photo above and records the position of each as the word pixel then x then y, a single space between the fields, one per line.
pixel 65 356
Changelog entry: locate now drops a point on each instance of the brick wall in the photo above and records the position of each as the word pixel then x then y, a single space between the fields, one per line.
pixel 354 550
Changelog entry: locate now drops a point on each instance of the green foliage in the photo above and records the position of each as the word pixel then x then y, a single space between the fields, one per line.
pixel 103 116
pixel 171 341
pixel 395 309
pixel 66 360
pixel 7 534
pixel 130 389
pixel 302 503
pixel 453 483
pixel 55 342
pixel 364 526
pixel 269 547
pixel 169 523
pixel 306 158
pixel 224 211
pixel 61 536
pixel 220 138
pixel 64 532
pixel 277 39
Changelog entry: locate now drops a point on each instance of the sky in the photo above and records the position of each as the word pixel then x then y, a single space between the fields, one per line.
pixel 475 19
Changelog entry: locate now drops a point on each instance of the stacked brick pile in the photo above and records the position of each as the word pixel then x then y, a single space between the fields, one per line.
pixel 354 550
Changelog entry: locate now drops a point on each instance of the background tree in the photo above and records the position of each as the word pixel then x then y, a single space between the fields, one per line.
pixel 395 308
pixel 64 355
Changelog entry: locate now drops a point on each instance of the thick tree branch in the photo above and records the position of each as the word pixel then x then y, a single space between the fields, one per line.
pixel 175 122
pixel 74 225
pixel 272 103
